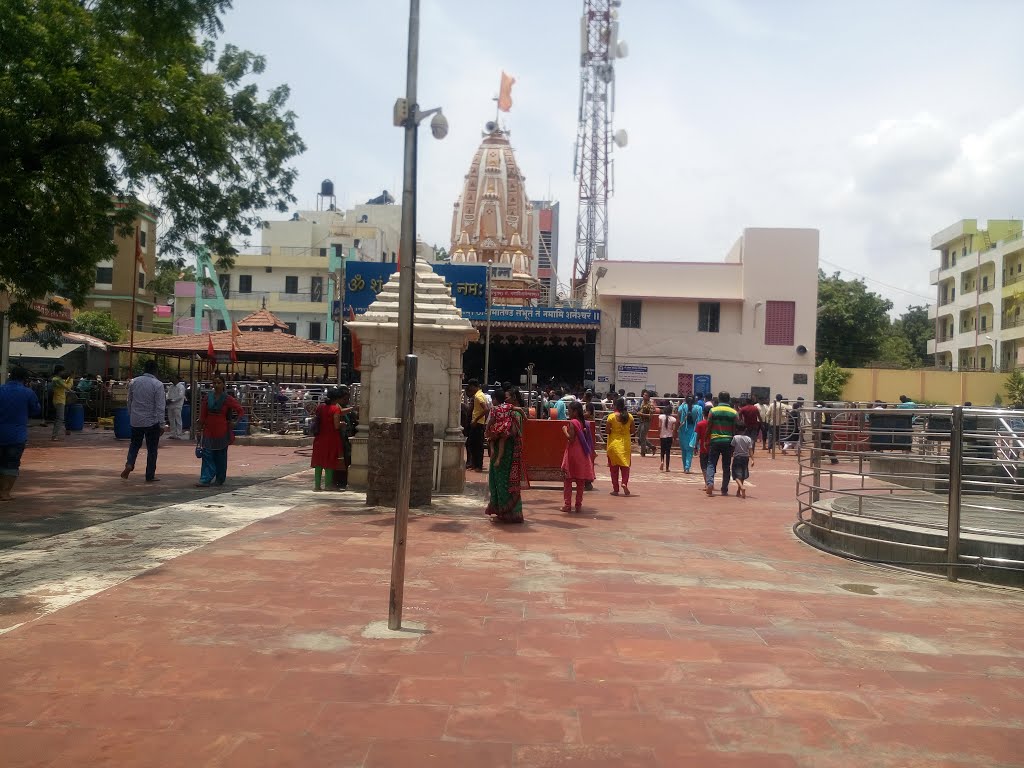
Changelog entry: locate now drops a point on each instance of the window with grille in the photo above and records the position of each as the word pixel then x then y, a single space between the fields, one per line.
pixel 291 284
pixel 314 331
pixel 708 315
pixel 104 275
pixel 779 322
pixel 245 283
pixel 631 313
pixel 291 328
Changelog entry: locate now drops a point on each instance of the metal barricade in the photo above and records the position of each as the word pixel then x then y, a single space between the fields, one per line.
pixel 935 489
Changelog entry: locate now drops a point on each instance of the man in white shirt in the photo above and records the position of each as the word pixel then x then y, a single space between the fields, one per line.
pixel 175 402
pixel 146 404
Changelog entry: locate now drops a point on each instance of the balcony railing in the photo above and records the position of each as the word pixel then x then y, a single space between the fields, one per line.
pixel 309 298
pixel 1011 279
pixel 1016 322
pixel 297 298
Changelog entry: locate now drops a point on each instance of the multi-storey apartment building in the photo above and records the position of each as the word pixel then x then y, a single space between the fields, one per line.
pixel 545 248
pixel 115 278
pixel 979 283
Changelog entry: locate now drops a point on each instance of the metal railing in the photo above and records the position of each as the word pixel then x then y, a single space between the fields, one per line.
pixel 1011 279
pixel 935 489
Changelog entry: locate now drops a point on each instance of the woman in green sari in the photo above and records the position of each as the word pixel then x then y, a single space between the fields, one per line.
pixel 507 476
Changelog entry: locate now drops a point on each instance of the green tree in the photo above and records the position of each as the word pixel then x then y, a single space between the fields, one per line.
pixel 852 321
pixel 104 102
pixel 1015 388
pixel 168 272
pixel 829 381
pixel 102 325
pixel 896 350
pixel 918 330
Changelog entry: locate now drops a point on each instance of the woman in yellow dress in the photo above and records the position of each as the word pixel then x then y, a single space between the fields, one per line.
pixel 619 446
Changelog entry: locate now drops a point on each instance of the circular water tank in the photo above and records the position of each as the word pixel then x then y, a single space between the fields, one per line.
pixel 327 188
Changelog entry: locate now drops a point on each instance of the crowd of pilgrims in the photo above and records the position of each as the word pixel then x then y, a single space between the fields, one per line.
pixel 722 433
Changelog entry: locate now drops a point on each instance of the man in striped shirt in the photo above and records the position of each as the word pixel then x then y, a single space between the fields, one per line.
pixel 723 424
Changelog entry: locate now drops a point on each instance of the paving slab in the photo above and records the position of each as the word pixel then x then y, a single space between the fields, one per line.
pixel 663 629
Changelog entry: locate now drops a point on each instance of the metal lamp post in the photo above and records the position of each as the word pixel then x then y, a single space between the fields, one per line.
pixel 487 342
pixel 407 115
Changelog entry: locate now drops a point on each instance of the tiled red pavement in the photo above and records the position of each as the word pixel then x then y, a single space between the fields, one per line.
pixel 661 630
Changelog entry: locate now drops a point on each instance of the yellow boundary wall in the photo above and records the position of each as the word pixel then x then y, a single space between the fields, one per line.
pixel 924 385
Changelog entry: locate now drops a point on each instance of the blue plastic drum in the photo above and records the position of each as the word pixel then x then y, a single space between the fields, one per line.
pixel 122 424
pixel 74 417
pixel 242 426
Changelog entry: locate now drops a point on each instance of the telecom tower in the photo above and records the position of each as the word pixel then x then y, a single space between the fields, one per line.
pixel 593 169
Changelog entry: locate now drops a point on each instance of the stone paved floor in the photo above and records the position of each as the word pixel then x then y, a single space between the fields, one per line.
pixel 664 629
pixel 75 483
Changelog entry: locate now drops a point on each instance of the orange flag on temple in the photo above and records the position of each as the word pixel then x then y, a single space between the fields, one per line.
pixel 209 346
pixel 505 94
pixel 357 348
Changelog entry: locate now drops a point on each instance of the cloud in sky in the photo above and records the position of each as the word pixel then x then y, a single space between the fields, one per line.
pixel 878 123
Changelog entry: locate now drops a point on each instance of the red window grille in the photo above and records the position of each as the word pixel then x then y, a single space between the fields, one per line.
pixel 779 321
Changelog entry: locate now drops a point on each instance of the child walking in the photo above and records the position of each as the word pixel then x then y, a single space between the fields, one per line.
pixel 703 437
pixel 742 460
pixel 668 425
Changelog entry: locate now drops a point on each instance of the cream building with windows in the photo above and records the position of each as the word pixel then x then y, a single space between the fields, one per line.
pixel 979 283
pixel 748 322
pixel 291 273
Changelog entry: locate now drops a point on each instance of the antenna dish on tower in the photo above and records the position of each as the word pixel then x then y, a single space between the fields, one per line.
pixel 490 126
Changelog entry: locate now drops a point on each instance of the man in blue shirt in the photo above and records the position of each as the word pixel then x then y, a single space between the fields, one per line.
pixel 17 403
pixel 906 402
pixel 147 403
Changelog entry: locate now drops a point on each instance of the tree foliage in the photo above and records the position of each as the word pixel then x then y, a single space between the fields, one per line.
pixel 168 272
pixel 102 325
pixel 852 321
pixel 897 350
pixel 914 326
pixel 106 102
pixel 829 381
pixel 1015 388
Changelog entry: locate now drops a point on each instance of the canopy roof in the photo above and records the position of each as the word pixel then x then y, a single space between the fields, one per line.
pixel 250 346
pixel 263 320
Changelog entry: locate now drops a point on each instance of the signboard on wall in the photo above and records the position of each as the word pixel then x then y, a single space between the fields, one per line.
pixel 633 373
pixel 702 383
pixel 468 284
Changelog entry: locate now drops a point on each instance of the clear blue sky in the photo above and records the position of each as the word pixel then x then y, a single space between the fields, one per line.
pixel 878 123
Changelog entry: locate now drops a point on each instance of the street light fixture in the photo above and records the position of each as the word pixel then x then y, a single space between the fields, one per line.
pixel 407 115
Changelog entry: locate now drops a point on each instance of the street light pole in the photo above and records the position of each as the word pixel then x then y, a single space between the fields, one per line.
pixel 487 343
pixel 407 114
pixel 407 243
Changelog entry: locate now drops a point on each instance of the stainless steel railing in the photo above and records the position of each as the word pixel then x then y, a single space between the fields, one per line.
pixel 919 482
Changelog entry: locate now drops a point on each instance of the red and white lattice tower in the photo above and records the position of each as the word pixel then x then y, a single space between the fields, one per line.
pixel 593 169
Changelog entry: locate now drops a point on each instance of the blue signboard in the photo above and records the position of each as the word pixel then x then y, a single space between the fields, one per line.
pixel 702 383
pixel 467 282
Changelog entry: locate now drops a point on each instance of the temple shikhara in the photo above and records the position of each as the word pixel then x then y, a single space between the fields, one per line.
pixel 493 218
